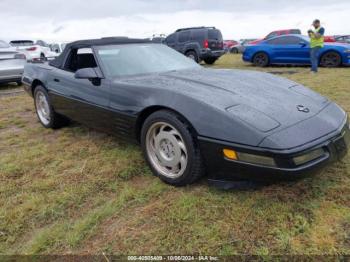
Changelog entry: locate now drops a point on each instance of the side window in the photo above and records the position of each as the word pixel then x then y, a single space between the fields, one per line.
pixel 295 31
pixel 214 34
pixel 55 48
pixel 273 34
pixel 42 43
pixel 184 36
pixel 287 40
pixel 170 39
pixel 80 58
pixel 198 35
pixel 292 40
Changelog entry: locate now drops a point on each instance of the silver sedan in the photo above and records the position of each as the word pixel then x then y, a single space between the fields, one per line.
pixel 240 47
pixel 11 64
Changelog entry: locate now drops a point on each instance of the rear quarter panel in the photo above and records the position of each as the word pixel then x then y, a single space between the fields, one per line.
pixel 35 72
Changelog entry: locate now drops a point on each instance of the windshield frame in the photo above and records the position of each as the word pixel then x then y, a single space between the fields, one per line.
pixel 104 70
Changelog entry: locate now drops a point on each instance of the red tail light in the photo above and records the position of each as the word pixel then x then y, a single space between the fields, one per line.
pixel 31 48
pixel 206 43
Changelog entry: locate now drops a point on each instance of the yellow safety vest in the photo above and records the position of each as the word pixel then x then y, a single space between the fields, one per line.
pixel 315 42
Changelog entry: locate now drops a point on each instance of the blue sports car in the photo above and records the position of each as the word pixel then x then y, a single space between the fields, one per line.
pixel 295 49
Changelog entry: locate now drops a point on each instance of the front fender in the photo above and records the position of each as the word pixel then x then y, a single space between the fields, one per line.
pixel 207 120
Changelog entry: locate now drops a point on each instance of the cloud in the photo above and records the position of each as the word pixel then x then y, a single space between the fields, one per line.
pixel 140 18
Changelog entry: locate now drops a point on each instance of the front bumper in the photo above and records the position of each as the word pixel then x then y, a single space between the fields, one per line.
pixel 220 168
pixel 346 60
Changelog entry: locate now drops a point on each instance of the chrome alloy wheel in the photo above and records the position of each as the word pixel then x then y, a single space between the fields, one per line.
pixel 42 107
pixel 166 150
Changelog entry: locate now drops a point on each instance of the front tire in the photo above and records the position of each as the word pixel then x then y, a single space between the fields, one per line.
pixel 43 57
pixel 192 55
pixel 261 59
pixel 44 110
pixel 234 50
pixel 170 149
pixel 330 59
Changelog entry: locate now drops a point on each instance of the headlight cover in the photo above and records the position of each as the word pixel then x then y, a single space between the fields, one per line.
pixel 312 155
pixel 256 159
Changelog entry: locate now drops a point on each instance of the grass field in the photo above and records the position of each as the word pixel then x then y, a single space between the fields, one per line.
pixel 77 191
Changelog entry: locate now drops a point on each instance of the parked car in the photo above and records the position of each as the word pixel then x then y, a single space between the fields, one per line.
pixel 277 33
pixel 198 43
pixel 228 44
pixel 58 47
pixel 295 49
pixel 158 38
pixel 343 39
pixel 188 119
pixel 11 64
pixel 39 50
pixel 240 47
pixel 329 39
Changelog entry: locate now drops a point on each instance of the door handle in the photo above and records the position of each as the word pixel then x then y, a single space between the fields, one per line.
pixel 56 80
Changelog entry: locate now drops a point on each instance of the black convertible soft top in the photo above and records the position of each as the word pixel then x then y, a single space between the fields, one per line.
pixel 59 61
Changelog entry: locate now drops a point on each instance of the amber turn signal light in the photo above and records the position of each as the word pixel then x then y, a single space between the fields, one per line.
pixel 230 154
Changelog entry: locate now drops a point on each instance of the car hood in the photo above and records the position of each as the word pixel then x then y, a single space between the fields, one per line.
pixel 262 100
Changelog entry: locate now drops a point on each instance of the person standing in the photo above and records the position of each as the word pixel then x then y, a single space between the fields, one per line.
pixel 316 43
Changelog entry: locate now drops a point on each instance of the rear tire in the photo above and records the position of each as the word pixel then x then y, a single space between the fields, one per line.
pixel 192 55
pixel 210 61
pixel 261 59
pixel 44 110
pixel 42 57
pixel 330 59
pixel 170 148
pixel 234 51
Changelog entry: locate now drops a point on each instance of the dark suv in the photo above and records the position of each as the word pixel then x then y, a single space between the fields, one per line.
pixel 198 43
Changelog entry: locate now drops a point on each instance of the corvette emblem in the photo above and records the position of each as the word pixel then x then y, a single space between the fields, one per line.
pixel 303 109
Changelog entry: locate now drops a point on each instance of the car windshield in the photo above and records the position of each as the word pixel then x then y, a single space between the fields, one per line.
pixel 3 44
pixel 135 59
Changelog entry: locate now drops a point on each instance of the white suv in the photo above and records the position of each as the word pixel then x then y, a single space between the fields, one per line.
pixel 34 51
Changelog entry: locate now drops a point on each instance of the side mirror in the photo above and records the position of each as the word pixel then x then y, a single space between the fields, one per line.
pixel 303 44
pixel 85 73
pixel 88 73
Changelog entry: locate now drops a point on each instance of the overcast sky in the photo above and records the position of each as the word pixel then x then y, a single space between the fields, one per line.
pixel 62 20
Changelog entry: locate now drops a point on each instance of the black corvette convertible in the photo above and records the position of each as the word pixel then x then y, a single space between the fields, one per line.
pixel 190 120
